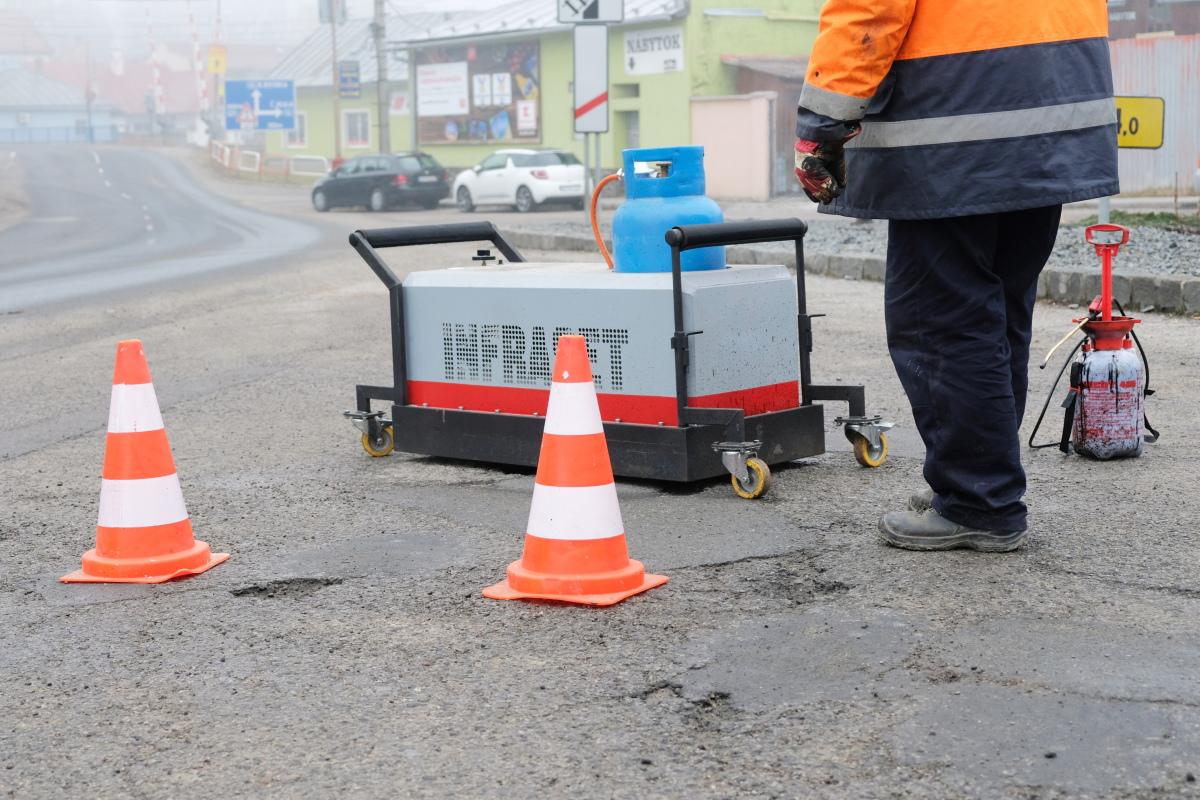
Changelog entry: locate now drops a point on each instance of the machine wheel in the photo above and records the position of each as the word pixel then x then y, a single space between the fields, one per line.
pixel 870 456
pixel 320 201
pixel 759 483
pixel 381 445
pixel 463 200
pixel 525 201
pixel 378 201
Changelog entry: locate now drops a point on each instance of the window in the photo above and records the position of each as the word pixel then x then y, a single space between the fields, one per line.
pixel 356 128
pixel 298 136
pixel 495 161
pixel 550 159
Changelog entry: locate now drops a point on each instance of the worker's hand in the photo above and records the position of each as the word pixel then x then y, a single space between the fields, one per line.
pixel 821 167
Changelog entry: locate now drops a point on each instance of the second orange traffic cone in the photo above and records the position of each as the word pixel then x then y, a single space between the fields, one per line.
pixel 143 534
pixel 575 548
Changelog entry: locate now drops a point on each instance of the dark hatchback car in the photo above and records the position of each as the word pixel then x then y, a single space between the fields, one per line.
pixel 383 182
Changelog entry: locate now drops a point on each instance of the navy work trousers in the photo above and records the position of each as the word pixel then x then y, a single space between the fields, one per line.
pixel 959 308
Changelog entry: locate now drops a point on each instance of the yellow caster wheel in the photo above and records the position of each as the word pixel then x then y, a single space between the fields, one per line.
pixel 867 455
pixel 758 480
pixel 381 445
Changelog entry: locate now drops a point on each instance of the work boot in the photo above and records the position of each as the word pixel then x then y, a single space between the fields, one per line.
pixel 921 501
pixel 929 530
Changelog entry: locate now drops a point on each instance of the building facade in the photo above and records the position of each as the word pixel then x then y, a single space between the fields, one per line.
pixel 466 85
pixel 1130 18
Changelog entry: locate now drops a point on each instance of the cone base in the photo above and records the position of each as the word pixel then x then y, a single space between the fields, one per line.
pixel 504 591
pixel 147 565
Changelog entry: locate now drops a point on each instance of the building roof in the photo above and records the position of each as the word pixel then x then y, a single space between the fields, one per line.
pixel 789 69
pixel 311 64
pixel 128 88
pixel 24 90
pixel 530 15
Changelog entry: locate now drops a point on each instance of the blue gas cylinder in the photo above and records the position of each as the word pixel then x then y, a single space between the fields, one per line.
pixel 664 187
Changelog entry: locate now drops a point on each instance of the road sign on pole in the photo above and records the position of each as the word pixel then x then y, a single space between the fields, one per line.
pixel 349 80
pixel 1140 122
pixel 572 12
pixel 591 79
pixel 260 105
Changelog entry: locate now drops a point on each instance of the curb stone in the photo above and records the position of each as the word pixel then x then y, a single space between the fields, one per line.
pixel 1170 293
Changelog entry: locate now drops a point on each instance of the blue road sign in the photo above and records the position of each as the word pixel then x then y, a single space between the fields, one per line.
pixel 349 79
pixel 260 105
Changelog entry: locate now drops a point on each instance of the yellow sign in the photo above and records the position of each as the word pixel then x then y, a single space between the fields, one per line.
pixel 1140 122
pixel 216 59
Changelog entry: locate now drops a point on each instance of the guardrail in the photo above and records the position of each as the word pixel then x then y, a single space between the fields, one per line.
pixel 240 162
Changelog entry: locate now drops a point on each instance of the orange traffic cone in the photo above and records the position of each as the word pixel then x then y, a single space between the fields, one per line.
pixel 143 534
pixel 575 541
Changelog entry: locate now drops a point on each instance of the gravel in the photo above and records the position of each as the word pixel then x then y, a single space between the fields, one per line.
pixel 1150 250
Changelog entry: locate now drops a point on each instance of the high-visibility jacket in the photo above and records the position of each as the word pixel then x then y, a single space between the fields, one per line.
pixel 967 106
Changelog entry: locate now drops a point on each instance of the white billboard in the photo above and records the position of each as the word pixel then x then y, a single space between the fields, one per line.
pixel 443 90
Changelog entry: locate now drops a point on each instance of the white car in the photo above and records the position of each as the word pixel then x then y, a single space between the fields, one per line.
pixel 521 178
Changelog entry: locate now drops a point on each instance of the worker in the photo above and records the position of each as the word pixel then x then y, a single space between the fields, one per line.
pixel 966 125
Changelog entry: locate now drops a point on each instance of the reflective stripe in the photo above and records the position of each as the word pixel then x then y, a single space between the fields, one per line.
pixel 141 503
pixel 574 513
pixel 573 410
pixel 832 104
pixel 132 408
pixel 982 127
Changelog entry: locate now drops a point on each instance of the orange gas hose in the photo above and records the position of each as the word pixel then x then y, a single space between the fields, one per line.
pixel 605 181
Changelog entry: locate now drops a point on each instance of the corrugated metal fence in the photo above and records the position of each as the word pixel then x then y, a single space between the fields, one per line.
pixel 1168 68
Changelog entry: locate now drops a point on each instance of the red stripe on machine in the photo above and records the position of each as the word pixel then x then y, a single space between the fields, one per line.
pixel 591 105
pixel 641 409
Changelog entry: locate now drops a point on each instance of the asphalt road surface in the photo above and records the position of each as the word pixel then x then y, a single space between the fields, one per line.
pixel 345 650
pixel 107 219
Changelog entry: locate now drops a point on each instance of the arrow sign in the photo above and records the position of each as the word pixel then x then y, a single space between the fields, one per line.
pixel 260 105
pixel 571 12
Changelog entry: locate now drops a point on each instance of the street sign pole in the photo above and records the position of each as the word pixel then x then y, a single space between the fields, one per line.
pixel 337 95
pixel 1141 125
pixel 591 91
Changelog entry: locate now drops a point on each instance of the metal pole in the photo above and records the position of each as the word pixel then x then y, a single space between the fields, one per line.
pixel 1103 214
pixel 334 7
pixel 379 29
pixel 414 135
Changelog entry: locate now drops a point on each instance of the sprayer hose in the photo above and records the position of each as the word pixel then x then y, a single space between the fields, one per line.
pixel 605 181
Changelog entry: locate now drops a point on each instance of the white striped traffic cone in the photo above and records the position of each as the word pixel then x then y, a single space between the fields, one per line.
pixel 575 548
pixel 143 534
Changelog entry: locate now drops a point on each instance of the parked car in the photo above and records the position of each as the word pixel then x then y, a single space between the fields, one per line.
pixel 382 182
pixel 521 178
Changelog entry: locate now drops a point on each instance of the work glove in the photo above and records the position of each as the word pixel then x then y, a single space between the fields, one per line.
pixel 821 167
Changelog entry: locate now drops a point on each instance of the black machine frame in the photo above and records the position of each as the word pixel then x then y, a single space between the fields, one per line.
pixel 679 453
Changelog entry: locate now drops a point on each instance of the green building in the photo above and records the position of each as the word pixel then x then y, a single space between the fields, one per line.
pixel 503 77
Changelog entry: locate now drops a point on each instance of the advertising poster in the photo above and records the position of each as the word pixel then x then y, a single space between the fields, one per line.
pixel 479 93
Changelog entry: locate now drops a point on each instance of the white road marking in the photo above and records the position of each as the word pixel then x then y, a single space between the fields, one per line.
pixel 108 183
pixel 126 196
pixel 96 156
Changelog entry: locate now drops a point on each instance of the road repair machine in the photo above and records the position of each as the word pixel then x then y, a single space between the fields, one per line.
pixel 701 368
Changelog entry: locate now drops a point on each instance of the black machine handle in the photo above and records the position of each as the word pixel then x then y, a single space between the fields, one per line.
pixel 689 237
pixel 682 238
pixel 365 243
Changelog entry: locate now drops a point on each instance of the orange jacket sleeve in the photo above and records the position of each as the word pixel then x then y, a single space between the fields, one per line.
pixel 854 50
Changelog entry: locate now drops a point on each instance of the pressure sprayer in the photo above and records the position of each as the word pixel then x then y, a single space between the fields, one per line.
pixel 1105 416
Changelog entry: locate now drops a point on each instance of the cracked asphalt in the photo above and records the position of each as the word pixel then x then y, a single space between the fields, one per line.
pixel 345 650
